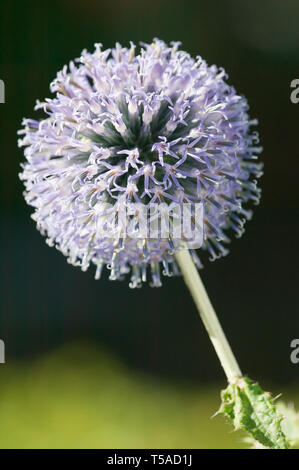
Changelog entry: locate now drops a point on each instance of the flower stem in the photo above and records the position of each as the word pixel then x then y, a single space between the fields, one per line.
pixel 244 402
pixel 208 316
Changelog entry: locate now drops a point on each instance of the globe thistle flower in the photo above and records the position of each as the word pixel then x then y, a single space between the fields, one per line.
pixel 160 128
pixel 156 127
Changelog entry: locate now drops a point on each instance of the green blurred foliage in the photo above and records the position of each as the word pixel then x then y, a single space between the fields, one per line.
pixel 80 397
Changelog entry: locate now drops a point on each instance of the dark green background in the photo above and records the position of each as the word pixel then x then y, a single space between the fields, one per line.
pixel 45 302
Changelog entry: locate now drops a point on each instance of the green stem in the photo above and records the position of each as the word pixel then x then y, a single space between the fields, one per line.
pixel 244 402
pixel 208 316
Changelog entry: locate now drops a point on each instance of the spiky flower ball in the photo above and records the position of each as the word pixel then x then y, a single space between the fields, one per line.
pixel 155 127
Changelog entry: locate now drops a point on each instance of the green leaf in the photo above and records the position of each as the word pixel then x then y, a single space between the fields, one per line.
pixel 253 410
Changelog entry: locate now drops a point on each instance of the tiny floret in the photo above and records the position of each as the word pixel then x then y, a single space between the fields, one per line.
pixel 135 130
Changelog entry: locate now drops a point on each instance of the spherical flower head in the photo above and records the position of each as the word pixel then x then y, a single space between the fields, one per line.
pixel 158 127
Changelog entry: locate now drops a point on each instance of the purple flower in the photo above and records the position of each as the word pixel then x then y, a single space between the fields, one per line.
pixel 123 128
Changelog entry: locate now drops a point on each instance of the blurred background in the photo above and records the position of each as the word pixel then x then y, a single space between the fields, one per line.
pixel 93 363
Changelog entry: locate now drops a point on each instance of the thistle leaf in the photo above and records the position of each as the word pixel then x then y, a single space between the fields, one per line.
pixel 253 410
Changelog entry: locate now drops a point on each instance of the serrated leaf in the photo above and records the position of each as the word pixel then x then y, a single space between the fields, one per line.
pixel 253 410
